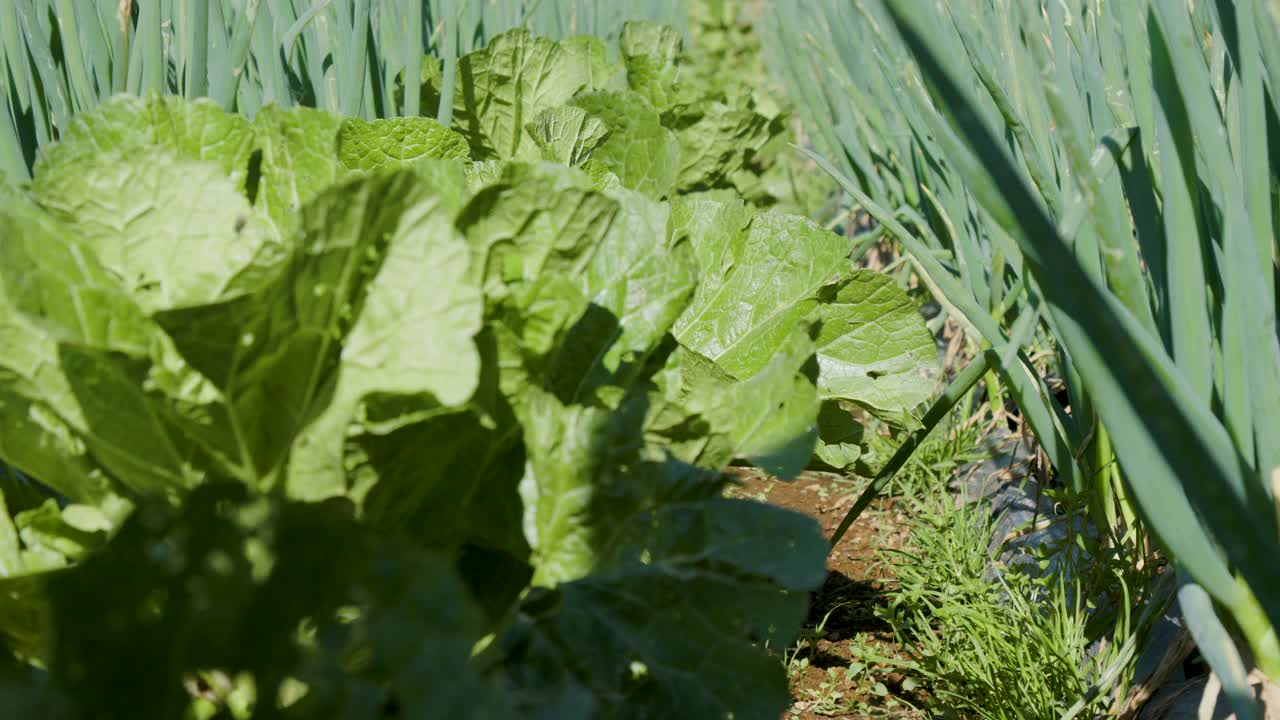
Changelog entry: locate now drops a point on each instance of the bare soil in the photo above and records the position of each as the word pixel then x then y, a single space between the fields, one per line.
pixel 842 613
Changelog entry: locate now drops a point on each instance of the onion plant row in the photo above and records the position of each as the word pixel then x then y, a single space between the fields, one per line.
pixel 1109 169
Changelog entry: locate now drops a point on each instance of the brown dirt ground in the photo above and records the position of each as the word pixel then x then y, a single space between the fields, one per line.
pixel 848 600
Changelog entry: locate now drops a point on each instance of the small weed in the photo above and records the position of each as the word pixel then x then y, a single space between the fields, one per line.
pixel 859 687
pixel 829 697
pixel 807 643
pixel 740 493
pixel 824 492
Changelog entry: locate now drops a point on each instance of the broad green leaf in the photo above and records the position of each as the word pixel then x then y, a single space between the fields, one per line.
pixel 299 159
pixel 638 282
pixel 653 643
pixel 575 492
pixel 707 417
pixel 40 420
pixel 774 421
pixel 449 482
pixel 396 143
pixel 572 493
pixel 726 533
pixel 253 588
pixel 36 541
pixel 761 276
pixel 504 86
pixel 274 356
pixel 127 386
pixel 75 423
pixel 764 277
pixel 21 600
pixel 682 416
pixel 582 284
pixel 603 73
pixel 716 141
pixel 839 437
pixel 11 562
pixel 484 172
pixel 413 337
pixel 195 130
pixel 447 179
pixel 567 134
pixel 174 233
pixel 51 538
pixel 588 474
pixel 533 220
pixel 713 114
pixel 533 234
pixel 688 570
pixel 651 53
pixel 784 184
pixel 421 311
pixel 639 150
pixel 874 348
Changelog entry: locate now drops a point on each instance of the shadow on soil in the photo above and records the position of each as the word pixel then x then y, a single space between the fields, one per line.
pixel 841 610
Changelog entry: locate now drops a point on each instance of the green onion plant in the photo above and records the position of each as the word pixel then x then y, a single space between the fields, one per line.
pixel 1112 166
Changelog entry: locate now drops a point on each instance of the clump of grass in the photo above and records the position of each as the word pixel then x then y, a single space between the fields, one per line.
pixel 1008 646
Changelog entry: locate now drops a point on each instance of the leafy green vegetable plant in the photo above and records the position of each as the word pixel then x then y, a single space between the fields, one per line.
pixel 332 404
pixel 725 34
